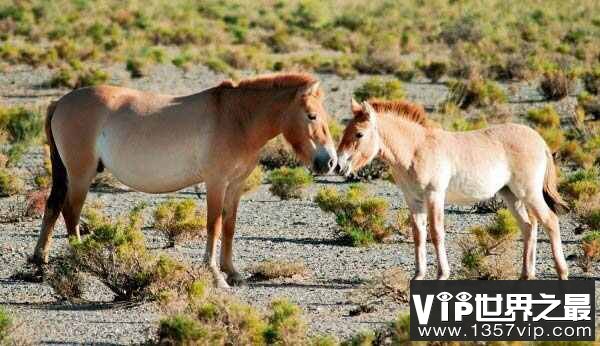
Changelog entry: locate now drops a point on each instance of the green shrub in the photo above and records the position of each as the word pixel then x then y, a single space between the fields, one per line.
pixel 136 67
pixel 268 270
pixel 380 88
pixel 180 219
pixel 590 244
pixel 590 104
pixel 183 330
pixel 575 152
pixel 581 184
pixel 545 116
pixel 10 184
pixel 489 252
pixel 434 70
pixel 21 125
pixel 591 80
pixel 254 180
pixel 6 327
pixel 401 330
pixel 276 154
pixel 285 324
pixel 475 92
pixel 361 217
pixel 557 84
pixel 74 77
pixel 554 137
pixel 288 182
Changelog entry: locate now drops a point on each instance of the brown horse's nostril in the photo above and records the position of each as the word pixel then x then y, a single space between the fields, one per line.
pixel 330 163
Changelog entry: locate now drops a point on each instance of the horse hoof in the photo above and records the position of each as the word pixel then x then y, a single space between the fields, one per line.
pixel 38 259
pixel 235 280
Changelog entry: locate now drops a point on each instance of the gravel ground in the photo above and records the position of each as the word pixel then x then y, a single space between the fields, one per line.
pixel 268 228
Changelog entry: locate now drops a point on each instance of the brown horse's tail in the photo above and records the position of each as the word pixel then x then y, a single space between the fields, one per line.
pixel 59 172
pixel 551 195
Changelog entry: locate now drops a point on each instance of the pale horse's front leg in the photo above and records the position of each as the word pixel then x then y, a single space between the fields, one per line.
pixel 232 200
pixel 418 218
pixel 435 211
pixel 215 196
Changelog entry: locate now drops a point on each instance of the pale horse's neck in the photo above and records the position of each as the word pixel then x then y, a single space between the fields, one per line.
pixel 398 140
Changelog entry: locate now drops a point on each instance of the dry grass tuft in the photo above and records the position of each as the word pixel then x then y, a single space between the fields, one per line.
pixel 590 244
pixel 10 183
pixel 271 269
pixel 36 203
pixel 557 84
pixel 277 153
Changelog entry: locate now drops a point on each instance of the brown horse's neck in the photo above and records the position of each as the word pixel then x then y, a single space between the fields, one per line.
pixel 257 115
pixel 399 139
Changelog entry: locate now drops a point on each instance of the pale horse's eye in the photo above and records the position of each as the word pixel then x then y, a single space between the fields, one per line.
pixel 312 116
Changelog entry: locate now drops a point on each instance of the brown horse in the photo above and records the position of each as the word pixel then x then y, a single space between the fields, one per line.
pixel 433 166
pixel 158 143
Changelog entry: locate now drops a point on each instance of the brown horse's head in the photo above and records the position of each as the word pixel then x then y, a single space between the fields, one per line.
pixel 305 128
pixel 360 142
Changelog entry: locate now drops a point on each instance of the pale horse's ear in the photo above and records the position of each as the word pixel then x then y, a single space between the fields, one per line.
pixel 368 109
pixel 356 107
pixel 310 90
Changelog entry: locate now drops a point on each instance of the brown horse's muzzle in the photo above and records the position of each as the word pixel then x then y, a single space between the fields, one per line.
pixel 324 161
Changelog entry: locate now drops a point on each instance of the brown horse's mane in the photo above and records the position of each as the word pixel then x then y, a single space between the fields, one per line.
pixel 405 109
pixel 271 81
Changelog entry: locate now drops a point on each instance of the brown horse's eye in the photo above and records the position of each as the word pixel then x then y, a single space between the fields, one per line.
pixel 312 116
pixel 359 135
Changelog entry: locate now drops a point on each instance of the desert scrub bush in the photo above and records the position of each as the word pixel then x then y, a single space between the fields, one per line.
pixel 6 327
pixel 77 77
pixel 392 283
pixel 276 154
pixel 377 87
pixel 581 185
pixel 10 183
pixel 361 217
pixel 137 67
pixel 574 152
pixel 554 137
pixel 272 269
pixel 557 84
pixel 288 183
pixel 489 252
pixel 591 80
pixel 92 217
pixel 180 219
pixel 214 318
pixel 65 280
pixel 376 169
pixel 21 125
pixel 545 116
pixel 475 91
pixel 434 70
pixel 36 202
pixel 590 245
pixel 403 224
pixel 116 255
pixel 254 180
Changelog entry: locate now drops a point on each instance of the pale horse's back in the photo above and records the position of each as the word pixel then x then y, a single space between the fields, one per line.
pixel 484 161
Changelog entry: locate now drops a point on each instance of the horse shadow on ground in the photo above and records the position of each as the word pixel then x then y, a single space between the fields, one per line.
pixel 298 241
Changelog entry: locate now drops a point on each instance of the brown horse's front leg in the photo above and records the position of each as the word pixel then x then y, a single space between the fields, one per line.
pixel 232 200
pixel 215 198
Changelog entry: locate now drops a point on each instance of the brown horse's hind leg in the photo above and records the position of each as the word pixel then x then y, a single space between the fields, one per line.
pixel 215 194
pixel 53 208
pixel 528 226
pixel 77 192
pixel 548 218
pixel 232 200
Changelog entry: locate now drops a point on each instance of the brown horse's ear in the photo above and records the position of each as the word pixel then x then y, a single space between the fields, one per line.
pixel 310 90
pixel 370 111
pixel 356 107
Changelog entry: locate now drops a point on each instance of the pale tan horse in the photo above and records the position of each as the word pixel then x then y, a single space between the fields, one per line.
pixel 433 166
pixel 158 143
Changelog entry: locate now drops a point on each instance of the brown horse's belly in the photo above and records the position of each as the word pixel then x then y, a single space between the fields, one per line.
pixel 146 167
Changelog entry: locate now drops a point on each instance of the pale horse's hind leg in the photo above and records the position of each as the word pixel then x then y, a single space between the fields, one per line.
pixel 215 198
pixel 435 209
pixel 549 219
pixel 528 226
